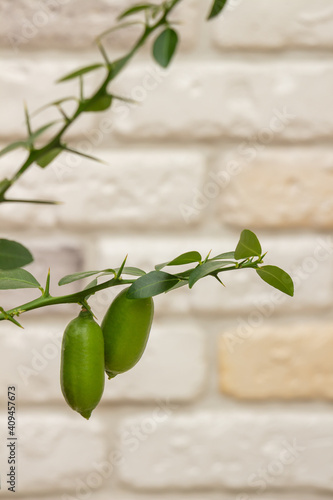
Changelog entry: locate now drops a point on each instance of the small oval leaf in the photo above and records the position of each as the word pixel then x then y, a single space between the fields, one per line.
pixel 151 284
pixel 13 255
pixel 165 46
pixel 277 278
pixel 17 278
pixel 248 245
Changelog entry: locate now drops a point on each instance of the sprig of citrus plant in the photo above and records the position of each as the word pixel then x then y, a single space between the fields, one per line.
pixel 155 21
pixel 88 349
pixel 248 255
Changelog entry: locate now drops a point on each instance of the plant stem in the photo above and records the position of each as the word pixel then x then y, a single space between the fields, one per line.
pixel 113 70
pixel 74 298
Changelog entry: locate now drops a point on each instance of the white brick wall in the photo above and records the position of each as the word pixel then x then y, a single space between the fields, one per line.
pixel 228 450
pixel 235 134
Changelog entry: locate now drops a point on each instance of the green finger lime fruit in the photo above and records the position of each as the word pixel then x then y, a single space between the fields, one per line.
pixel 82 364
pixel 126 327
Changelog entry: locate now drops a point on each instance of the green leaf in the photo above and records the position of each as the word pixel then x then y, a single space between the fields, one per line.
pixel 206 269
pixel 222 256
pixel 248 245
pixel 131 271
pixel 81 71
pixel 218 6
pixel 13 255
pixel 277 278
pixel 48 158
pixel 177 285
pixel 81 275
pixel 13 146
pixel 101 103
pixel 135 10
pixel 151 284
pixel 165 46
pixel 17 278
pixel 185 258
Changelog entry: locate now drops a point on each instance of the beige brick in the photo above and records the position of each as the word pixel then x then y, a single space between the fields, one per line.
pixel 265 25
pixel 137 189
pixel 277 101
pixel 277 188
pixel 74 24
pixel 252 451
pixel 288 361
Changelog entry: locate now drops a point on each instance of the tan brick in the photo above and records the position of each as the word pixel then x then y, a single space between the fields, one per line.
pixel 288 361
pixel 285 188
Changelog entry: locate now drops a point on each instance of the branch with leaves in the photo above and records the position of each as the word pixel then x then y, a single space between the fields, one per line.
pixel 156 18
pixel 14 257
pixel 248 255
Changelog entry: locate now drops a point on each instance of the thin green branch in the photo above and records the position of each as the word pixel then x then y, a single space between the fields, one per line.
pixel 74 298
pixel 83 105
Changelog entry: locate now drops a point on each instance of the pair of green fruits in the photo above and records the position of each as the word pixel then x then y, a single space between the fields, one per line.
pixel 114 347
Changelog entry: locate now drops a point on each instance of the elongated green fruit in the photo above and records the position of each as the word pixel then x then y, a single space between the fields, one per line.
pixel 126 327
pixel 82 364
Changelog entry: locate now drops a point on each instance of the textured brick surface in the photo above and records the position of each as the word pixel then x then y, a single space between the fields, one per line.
pixel 288 361
pixel 137 189
pixel 75 24
pixel 31 79
pixel 174 365
pixel 297 197
pixel 254 451
pixel 237 133
pixel 266 100
pixel 299 24
pixel 52 454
